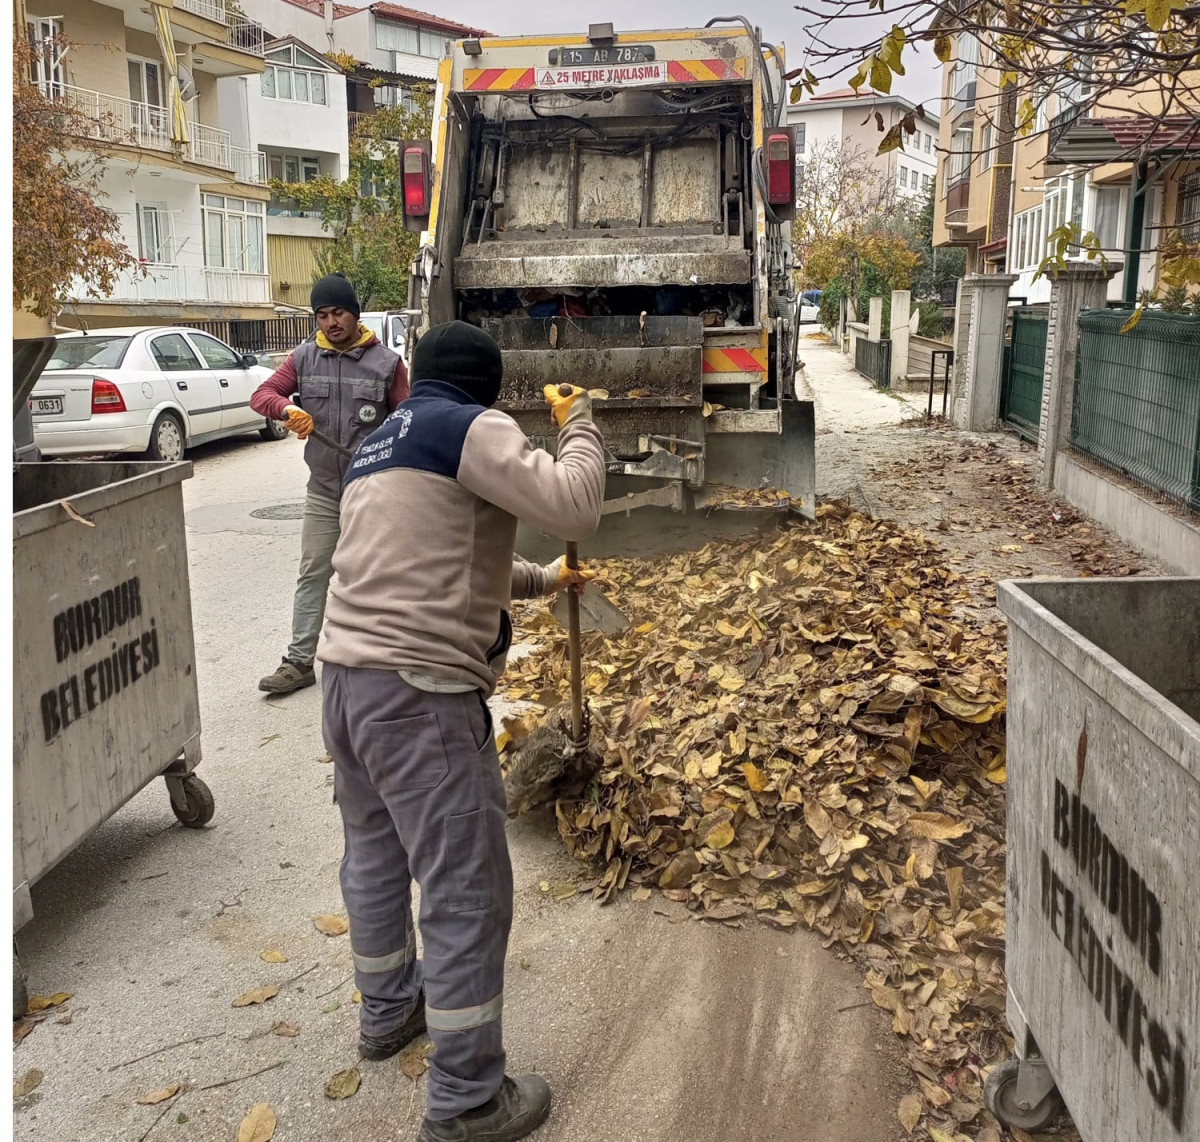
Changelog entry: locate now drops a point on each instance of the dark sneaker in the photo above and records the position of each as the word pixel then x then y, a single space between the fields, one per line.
pixel 519 1107
pixel 290 676
pixel 376 1050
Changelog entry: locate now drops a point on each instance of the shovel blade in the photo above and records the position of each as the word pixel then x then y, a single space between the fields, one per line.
pixel 595 612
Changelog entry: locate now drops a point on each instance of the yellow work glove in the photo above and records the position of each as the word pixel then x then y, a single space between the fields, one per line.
pixel 298 421
pixel 560 576
pixel 569 407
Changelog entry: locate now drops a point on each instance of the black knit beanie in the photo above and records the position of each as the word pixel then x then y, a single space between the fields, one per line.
pixel 334 290
pixel 462 355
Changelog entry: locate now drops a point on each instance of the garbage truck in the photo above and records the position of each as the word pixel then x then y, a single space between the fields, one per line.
pixel 614 209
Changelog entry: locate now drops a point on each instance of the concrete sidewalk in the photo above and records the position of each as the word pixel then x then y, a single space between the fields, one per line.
pixel 649 1025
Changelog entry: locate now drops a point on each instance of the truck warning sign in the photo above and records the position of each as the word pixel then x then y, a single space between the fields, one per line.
pixel 602 75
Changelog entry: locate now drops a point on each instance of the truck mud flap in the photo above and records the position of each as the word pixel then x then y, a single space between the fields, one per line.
pixel 785 461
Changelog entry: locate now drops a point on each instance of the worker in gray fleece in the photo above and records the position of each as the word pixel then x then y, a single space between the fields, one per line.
pixel 416 635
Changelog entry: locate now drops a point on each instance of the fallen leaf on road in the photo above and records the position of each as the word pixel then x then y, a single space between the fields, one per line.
pixel 28 1082
pixel 157 1096
pixel 414 1059
pixel 343 1084
pixel 273 958
pixel 563 891
pixel 286 1030
pixel 331 925
pixel 21 1029
pixel 258 1125
pixel 356 997
pixel 40 1002
pixel 911 1109
pixel 325 758
pixel 65 1019
pixel 640 894
pixel 258 995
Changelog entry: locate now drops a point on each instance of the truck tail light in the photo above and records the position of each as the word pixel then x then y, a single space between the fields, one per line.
pixel 106 397
pixel 415 172
pixel 781 170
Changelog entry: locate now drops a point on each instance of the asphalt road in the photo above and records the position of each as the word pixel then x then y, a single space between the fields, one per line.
pixel 649 1025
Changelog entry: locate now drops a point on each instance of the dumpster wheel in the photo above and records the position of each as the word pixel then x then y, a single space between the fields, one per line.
pixel 200 804
pixel 1000 1097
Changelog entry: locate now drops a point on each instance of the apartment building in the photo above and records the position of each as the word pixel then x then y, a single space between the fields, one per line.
pixel 849 118
pixel 190 200
pixel 1113 170
pixel 295 115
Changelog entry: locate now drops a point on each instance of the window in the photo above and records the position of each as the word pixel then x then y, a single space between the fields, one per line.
pixel 293 168
pixel 173 353
pixel 411 41
pixel 1109 222
pixel 233 233
pixel 292 73
pixel 46 68
pixel 926 182
pixel 146 82
pixel 959 165
pixel 913 178
pixel 928 143
pixel 903 177
pixel 216 355
pixel 800 133
pixel 987 146
pixel 90 352
pixel 154 233
pixel 1188 212
pixel 962 84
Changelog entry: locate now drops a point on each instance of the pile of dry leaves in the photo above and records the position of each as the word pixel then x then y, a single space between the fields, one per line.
pixel 799 729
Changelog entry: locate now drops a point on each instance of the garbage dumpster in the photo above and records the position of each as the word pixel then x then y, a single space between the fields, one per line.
pixel 1103 956
pixel 104 696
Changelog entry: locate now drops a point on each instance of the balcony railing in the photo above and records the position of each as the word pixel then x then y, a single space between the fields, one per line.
pixel 194 285
pixel 958 195
pixel 115 120
pixel 210 9
pixel 247 36
pixel 289 208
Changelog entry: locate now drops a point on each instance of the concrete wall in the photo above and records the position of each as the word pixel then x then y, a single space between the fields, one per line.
pixel 1153 529
pixel 94 30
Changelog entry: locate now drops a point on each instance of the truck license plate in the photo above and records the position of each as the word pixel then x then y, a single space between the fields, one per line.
pixel 46 406
pixel 587 57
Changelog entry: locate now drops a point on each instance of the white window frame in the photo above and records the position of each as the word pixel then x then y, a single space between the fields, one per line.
pixel 235 214
pixel 903 177
pixel 164 233
pixel 311 76
pixel 987 144
pixel 47 69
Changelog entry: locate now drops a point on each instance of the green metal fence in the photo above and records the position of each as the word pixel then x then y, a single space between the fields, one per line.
pixel 1137 399
pixel 1024 363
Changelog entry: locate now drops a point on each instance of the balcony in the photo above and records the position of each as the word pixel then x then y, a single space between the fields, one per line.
pixel 213 10
pixel 289 208
pixel 190 285
pixel 958 197
pixel 115 120
pixel 247 36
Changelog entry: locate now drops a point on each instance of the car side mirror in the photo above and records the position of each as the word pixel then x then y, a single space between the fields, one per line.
pixel 249 360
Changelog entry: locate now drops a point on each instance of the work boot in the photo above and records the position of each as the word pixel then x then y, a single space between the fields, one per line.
pixel 375 1050
pixel 518 1108
pixel 290 676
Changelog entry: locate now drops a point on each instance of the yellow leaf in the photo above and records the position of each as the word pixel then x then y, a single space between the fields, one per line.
pixel 343 1084
pixel 881 76
pixel 286 1030
pixel 28 1082
pixel 936 826
pixel 711 766
pixel 646 628
pixel 998 776
pixel 41 1003
pixel 273 958
pixel 755 778
pixel 331 925
pixel 356 996
pixel 640 894
pixel 159 1095
pixel 943 47
pixel 1158 12
pixel 911 1109
pixel 721 836
pixel 731 680
pixel 940 1135
pixel 1134 318
pixel 258 1125
pixel 257 995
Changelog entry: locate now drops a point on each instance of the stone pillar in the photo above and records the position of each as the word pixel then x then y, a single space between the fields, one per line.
pixel 977 401
pixel 875 319
pixel 1077 286
pixel 899 334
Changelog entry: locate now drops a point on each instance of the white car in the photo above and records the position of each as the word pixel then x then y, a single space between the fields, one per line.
pixel 157 391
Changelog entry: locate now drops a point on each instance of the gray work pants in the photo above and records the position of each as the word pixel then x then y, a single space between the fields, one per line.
pixel 417 779
pixel 318 537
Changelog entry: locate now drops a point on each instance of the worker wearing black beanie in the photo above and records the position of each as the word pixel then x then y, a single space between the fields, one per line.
pixel 336 292
pixel 462 355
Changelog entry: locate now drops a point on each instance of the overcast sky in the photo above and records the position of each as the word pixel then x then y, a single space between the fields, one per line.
pixel 780 23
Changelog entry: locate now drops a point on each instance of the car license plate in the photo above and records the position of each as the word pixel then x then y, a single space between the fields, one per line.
pixel 46 406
